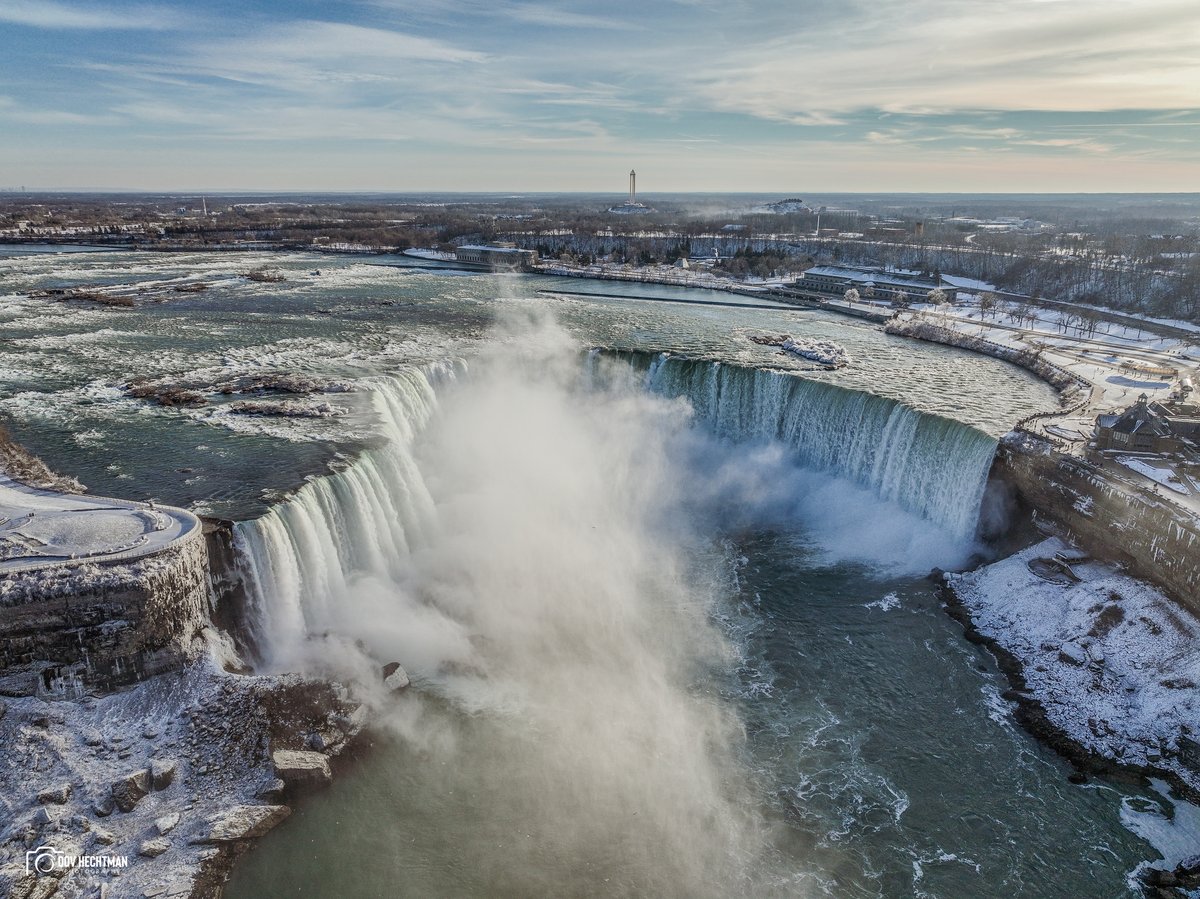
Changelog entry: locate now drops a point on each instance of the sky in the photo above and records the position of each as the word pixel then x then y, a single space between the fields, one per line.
pixel 779 96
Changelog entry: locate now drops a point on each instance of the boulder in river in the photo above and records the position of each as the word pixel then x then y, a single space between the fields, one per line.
pixel 296 766
pixel 395 678
pixel 245 822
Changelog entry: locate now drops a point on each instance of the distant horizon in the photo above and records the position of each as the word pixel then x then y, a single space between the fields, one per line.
pixel 516 193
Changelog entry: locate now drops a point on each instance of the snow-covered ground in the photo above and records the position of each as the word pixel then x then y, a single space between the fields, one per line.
pixel 973 284
pixel 1160 474
pixel 1113 661
pixel 1119 362
pixel 196 750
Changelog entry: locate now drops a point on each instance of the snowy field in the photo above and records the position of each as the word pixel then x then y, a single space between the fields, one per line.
pixel 1114 662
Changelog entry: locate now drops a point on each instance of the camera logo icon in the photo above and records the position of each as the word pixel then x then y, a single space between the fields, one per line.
pixel 42 860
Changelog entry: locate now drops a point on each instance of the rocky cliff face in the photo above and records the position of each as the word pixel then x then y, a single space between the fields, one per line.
pixel 1157 542
pixel 66 631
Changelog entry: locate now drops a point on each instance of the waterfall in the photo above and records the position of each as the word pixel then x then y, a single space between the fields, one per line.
pixel 297 560
pixel 301 562
pixel 927 464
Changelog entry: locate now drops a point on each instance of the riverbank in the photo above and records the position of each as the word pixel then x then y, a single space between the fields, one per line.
pixel 173 778
pixel 1103 659
pixel 134 735
pixel 1103 669
pixel 1068 385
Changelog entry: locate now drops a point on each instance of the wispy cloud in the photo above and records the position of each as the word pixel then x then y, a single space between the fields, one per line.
pixel 94 16
pixel 808 89
pixel 938 55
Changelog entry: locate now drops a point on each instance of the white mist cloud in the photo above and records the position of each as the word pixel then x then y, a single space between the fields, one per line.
pixel 546 547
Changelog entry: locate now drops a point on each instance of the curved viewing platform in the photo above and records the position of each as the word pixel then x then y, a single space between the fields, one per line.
pixel 43 528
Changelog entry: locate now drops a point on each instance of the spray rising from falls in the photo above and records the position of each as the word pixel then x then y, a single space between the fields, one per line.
pixel 303 560
pixel 541 583
pixel 929 465
pixel 533 541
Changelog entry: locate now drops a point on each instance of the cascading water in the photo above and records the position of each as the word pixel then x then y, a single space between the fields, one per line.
pixel 927 464
pixel 649 657
pixel 297 561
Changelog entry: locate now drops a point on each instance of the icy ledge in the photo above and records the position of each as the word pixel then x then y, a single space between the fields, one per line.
pixel 1113 663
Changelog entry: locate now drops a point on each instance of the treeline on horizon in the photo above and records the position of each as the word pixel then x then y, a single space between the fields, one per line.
pixel 1130 253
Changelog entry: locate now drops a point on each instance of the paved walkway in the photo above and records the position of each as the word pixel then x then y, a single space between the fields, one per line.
pixel 44 529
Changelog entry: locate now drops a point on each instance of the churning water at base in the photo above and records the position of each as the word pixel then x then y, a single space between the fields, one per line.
pixel 665 642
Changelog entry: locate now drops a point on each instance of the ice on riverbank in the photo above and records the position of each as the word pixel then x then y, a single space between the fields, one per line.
pixel 1114 662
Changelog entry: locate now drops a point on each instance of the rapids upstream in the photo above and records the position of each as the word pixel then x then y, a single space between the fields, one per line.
pixel 664 605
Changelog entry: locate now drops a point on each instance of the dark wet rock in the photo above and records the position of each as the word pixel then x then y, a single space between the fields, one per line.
pixel 351 722
pixel 59 794
pixel 164 394
pixel 1077 777
pixel 104 807
pixel 285 408
pixel 271 791
pixel 162 773
pixel 322 742
pixel 1159 878
pixel 130 789
pixel 280 382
